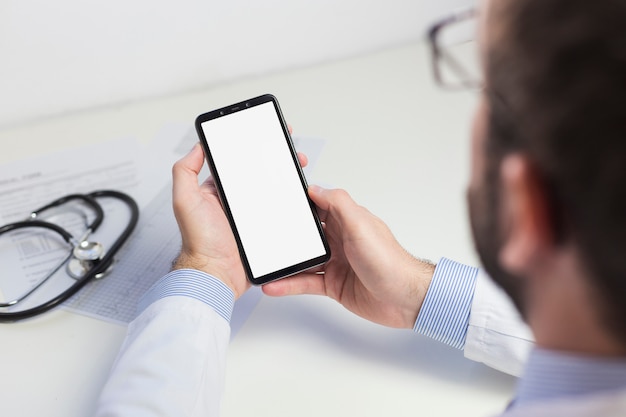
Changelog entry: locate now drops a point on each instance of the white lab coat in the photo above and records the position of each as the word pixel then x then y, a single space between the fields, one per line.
pixel 496 335
pixel 610 404
pixel 172 361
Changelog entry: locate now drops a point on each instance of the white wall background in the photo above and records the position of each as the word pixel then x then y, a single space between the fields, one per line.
pixel 65 55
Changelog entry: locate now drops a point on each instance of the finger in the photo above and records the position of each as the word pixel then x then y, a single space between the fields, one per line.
pixel 306 283
pixel 209 181
pixel 290 129
pixel 209 184
pixel 304 160
pixel 185 172
pixel 319 196
pixel 315 270
pixel 337 203
pixel 313 192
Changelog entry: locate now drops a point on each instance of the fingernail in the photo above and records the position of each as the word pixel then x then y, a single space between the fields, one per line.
pixel 316 189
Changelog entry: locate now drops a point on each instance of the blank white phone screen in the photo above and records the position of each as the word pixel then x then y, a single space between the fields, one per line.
pixel 261 184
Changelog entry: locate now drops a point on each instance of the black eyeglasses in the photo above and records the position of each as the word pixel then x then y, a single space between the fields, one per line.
pixel 454 52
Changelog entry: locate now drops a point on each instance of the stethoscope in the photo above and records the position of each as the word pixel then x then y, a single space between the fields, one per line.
pixel 87 259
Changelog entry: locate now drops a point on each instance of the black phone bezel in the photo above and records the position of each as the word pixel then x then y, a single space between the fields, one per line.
pixel 242 106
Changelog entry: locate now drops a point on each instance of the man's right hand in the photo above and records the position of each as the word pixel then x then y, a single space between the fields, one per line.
pixel 369 273
pixel 208 243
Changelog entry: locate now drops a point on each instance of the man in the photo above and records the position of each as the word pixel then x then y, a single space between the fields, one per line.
pixel 547 199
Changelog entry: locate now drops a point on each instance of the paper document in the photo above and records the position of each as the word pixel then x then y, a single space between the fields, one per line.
pixel 148 254
pixel 26 257
pixel 27 185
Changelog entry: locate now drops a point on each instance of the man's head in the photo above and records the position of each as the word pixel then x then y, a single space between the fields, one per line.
pixel 550 138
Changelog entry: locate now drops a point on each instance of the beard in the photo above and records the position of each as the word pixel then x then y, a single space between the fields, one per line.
pixel 488 234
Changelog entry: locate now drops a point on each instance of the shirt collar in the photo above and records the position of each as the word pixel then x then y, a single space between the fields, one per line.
pixel 552 374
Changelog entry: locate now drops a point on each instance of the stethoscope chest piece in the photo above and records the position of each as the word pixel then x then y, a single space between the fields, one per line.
pixel 84 261
pixel 77 268
pixel 85 256
pixel 88 251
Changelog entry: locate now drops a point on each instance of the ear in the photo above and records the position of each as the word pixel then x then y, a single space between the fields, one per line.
pixel 526 213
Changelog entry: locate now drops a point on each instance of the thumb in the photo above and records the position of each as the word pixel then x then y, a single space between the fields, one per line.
pixel 185 172
pixel 319 196
pixel 336 203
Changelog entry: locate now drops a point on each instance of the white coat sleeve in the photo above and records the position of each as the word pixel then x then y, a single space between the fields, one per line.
pixel 173 358
pixel 465 309
pixel 496 335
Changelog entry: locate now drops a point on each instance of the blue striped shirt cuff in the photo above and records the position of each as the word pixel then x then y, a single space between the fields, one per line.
pixel 444 315
pixel 194 284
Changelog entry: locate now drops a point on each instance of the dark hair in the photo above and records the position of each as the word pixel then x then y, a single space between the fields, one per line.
pixel 560 68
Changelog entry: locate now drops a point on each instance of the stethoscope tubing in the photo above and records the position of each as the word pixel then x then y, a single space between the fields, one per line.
pixel 98 268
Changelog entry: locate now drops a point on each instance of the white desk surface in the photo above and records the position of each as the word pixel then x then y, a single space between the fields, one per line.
pixel 400 147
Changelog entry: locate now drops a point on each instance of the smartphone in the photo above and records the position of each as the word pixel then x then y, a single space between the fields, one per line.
pixel 262 189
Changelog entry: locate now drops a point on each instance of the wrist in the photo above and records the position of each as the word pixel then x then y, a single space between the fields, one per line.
pixel 203 264
pixel 421 271
pixel 447 305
